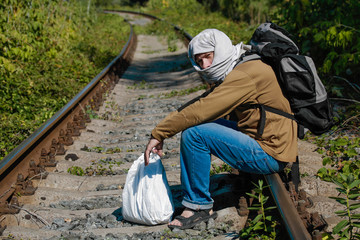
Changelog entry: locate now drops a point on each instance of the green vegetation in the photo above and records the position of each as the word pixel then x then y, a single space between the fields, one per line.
pixel 251 12
pixel 215 169
pixel 142 85
pixel 75 170
pixel 49 51
pixel 263 226
pixel 114 114
pixel 190 15
pixel 328 31
pixel 183 92
pixel 102 150
pixel 103 167
pixel 348 187
pixel 342 155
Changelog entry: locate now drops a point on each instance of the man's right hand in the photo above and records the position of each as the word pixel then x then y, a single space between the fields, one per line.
pixel 155 146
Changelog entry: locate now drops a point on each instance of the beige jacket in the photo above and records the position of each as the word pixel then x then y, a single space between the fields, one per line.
pixel 252 82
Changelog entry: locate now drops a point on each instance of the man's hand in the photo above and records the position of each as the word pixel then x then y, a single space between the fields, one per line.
pixel 155 146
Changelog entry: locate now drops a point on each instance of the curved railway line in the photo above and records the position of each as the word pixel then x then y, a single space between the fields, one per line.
pixel 102 131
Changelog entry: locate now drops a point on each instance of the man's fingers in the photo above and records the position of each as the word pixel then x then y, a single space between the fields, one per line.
pixel 147 153
pixel 158 151
pixel 155 146
pixel 147 156
pixel 159 148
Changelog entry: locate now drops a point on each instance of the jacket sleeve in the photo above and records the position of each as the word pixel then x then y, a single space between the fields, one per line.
pixel 235 90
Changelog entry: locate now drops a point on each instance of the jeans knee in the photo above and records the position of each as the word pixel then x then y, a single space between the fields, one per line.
pixel 188 134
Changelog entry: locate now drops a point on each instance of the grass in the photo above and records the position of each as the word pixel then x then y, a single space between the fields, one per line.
pixel 183 92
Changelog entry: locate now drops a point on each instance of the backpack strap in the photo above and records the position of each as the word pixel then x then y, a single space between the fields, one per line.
pixel 295 174
pixel 264 108
pixel 248 56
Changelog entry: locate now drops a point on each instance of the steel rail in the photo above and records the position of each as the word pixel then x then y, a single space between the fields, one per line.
pixel 17 161
pixel 293 223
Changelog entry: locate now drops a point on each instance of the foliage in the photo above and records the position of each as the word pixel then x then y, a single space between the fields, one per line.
pixel 101 150
pixel 252 12
pixel 102 167
pixel 341 150
pixel 193 17
pixel 263 226
pixel 49 51
pixel 328 31
pixel 215 169
pixel 348 117
pixel 342 155
pixel 75 170
pixel 349 188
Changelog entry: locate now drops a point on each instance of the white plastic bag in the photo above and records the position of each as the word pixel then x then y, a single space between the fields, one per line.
pixel 147 197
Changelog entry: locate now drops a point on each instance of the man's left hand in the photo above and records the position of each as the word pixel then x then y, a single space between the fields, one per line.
pixel 155 146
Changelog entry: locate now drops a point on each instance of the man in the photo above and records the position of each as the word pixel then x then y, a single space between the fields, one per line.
pixel 237 142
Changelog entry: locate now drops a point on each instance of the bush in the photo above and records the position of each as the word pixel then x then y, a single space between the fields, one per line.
pixel 50 50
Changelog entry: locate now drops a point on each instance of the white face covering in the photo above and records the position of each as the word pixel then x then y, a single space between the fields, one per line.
pixel 226 55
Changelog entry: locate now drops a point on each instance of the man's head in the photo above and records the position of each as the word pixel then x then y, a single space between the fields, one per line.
pixel 213 55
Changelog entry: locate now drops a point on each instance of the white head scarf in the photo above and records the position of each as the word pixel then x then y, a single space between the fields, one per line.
pixel 226 54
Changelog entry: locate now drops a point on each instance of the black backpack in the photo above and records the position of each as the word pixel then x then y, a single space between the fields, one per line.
pixel 297 78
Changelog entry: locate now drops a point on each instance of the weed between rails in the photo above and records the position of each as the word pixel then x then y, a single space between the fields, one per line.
pixel 103 167
pixel 102 150
pixel 113 115
pixel 142 85
pixel 216 169
pixel 184 92
pixel 263 225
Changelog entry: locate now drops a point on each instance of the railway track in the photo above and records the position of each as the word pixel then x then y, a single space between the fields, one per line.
pixel 66 180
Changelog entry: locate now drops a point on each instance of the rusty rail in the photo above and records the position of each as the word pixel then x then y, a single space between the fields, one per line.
pixel 293 223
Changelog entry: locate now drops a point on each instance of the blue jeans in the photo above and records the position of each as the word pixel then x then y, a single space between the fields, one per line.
pixel 222 139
